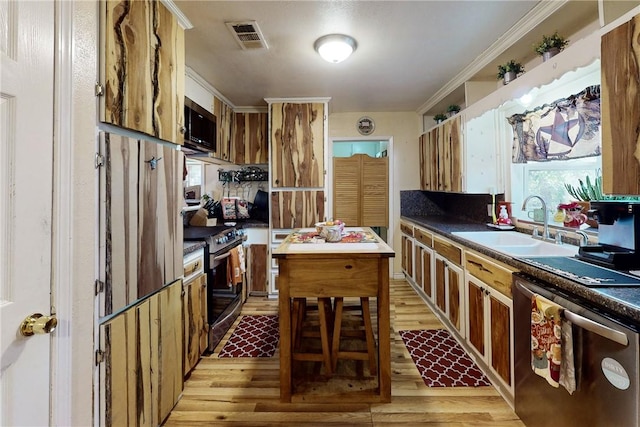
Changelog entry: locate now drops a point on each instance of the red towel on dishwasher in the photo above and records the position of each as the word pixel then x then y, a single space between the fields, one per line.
pixel 546 333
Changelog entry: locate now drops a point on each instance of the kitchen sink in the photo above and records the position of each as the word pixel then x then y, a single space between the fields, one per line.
pixel 516 244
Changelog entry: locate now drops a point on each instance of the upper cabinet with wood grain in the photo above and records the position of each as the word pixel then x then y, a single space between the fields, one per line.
pixel 142 72
pixel 440 157
pixel 461 155
pixel 297 144
pixel 250 141
pixel 620 104
pixel 224 122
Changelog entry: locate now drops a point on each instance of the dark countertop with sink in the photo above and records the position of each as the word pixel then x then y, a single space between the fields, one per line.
pixel 624 302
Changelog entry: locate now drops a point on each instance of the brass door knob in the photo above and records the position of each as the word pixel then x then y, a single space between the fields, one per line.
pixel 38 324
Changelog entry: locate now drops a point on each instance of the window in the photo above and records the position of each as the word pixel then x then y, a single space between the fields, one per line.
pixel 194 173
pixel 547 179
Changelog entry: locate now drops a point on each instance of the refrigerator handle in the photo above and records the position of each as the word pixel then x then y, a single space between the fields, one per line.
pixel 584 323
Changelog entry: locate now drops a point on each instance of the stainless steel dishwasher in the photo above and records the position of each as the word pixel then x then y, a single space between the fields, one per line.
pixel 606 361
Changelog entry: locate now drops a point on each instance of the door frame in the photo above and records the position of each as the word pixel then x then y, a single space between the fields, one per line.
pixel 329 179
pixel 74 213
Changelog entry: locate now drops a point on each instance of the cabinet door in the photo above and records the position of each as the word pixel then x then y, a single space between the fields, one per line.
pixel 455 307
pixel 297 144
pixel 427 272
pixel 142 369
pixel 620 104
pixel 249 141
pixel 224 123
pixel 418 266
pixel 140 184
pixel 501 344
pixel 440 283
pixel 476 315
pixel 143 69
pixel 195 321
pixel 296 209
pixel 407 255
pixel 257 269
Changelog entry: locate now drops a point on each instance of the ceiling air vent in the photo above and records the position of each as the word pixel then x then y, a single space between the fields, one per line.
pixel 247 34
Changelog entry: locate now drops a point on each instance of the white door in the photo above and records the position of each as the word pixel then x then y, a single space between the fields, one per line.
pixel 26 135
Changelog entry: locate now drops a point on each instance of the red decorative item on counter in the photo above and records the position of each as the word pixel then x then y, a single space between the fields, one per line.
pixel 573 216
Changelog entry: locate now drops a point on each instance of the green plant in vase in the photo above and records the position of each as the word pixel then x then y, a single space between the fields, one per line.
pixel 440 117
pixel 550 45
pixel 453 109
pixel 509 71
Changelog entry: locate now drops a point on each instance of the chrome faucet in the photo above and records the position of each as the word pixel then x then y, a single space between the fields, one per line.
pixel 584 241
pixel 545 230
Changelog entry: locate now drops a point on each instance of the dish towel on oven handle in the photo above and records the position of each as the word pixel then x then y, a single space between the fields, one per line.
pixel 236 266
pixel 551 344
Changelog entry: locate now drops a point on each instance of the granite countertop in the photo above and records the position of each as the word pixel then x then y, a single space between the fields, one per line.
pixel 190 247
pixel 622 301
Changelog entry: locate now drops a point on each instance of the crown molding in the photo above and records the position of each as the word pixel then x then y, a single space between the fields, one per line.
pixel 182 18
pixel 205 84
pixel 531 20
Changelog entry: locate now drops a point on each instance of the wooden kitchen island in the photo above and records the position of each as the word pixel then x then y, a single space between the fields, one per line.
pixel 359 268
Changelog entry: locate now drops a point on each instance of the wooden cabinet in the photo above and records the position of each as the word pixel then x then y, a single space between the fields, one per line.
pixel 141 370
pixel 295 209
pixel 448 285
pixel 224 123
pixel 297 144
pixel 407 250
pixel 257 269
pixel 490 317
pixel 440 152
pixel 620 106
pixel 424 261
pixel 250 142
pixel 461 158
pixel 140 193
pixel 196 328
pixel 142 68
pixel 361 190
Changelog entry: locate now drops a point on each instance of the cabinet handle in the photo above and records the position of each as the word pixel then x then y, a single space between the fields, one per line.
pixel 348 266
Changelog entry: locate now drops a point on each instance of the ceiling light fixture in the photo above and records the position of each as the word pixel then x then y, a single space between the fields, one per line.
pixel 335 47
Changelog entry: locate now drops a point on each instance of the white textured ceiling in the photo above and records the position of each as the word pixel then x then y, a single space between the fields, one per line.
pixel 407 50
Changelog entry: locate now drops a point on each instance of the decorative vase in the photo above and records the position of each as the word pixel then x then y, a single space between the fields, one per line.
pixel 550 53
pixel 508 77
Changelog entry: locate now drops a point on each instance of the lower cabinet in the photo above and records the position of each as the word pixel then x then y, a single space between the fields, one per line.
pixel 141 367
pixel 257 269
pixel 448 293
pixel 490 320
pixel 406 259
pixel 196 328
pixel 424 261
pixel 448 286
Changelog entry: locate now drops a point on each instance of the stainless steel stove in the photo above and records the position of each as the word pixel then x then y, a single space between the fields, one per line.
pixel 224 298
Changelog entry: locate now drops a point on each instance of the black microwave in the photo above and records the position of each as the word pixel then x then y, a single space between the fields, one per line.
pixel 200 124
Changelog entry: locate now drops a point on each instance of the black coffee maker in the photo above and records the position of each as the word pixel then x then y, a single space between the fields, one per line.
pixel 618 235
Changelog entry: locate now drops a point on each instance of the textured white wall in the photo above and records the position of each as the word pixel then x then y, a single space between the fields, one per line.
pixel 404 128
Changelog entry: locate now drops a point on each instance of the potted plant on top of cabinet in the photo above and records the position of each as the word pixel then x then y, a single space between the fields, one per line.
pixel 453 109
pixel 509 71
pixel 550 46
pixel 439 118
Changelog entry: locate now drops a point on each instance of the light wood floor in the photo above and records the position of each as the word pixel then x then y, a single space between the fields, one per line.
pixel 245 392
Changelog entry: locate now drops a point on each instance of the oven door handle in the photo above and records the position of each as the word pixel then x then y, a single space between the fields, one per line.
pixel 219 257
pixel 584 323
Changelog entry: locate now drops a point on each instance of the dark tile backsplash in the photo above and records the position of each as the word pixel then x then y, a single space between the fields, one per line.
pixel 469 207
